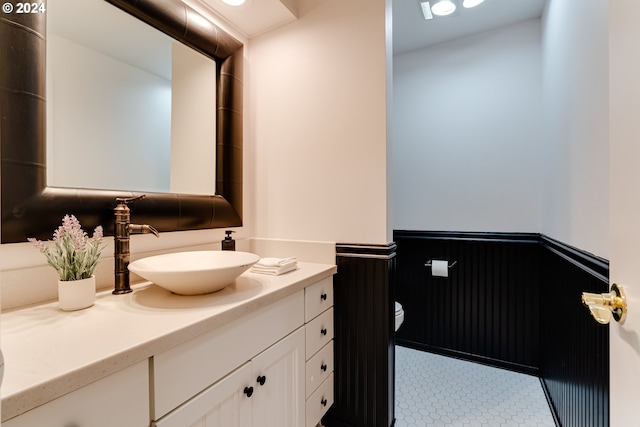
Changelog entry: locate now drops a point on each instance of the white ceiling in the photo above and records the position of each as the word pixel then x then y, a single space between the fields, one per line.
pixel 255 16
pixel 411 31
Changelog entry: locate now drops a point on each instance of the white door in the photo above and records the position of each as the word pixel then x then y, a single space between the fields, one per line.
pixel 624 205
pixel 279 375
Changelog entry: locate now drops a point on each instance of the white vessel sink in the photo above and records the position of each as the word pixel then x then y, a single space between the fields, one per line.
pixel 194 273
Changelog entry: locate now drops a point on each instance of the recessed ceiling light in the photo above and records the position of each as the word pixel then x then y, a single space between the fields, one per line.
pixel 234 2
pixel 443 8
pixel 471 3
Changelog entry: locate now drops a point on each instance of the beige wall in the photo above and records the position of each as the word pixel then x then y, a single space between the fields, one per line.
pixel 318 124
pixel 576 124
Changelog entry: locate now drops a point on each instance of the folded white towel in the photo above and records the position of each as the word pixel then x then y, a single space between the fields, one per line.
pixel 273 271
pixel 276 262
pixel 275 266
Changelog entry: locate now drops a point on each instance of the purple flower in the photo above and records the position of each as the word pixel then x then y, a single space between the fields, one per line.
pixel 72 253
pixel 37 243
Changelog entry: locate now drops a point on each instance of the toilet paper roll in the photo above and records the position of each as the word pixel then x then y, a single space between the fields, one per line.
pixel 439 268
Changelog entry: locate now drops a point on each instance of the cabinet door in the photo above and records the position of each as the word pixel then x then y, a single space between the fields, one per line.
pixel 279 382
pixel 227 403
pixel 186 370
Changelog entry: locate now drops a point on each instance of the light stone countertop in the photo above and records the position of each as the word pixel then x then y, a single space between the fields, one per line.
pixel 49 353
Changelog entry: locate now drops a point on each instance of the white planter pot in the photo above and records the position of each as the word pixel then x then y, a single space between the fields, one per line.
pixel 76 294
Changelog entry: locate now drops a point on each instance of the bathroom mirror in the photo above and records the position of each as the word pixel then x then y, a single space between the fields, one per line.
pixel 31 207
pixel 158 93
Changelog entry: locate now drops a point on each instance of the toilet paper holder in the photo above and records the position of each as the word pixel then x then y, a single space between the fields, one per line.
pixel 428 264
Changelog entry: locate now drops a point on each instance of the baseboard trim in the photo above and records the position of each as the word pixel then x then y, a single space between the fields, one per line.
pixel 529 370
pixel 547 395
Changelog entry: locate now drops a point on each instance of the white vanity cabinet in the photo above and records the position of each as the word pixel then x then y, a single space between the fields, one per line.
pixel 265 392
pixel 261 362
pixel 121 399
pixel 318 350
pixel 254 370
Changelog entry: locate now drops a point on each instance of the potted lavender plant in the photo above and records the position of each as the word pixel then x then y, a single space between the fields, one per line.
pixel 74 255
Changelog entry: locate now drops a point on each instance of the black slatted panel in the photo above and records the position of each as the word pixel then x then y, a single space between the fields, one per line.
pixel 574 359
pixel 364 344
pixel 486 310
pixel 512 300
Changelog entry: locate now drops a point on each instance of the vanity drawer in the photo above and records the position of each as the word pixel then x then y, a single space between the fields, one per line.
pixel 319 367
pixel 185 370
pixel 317 298
pixel 319 332
pixel 320 402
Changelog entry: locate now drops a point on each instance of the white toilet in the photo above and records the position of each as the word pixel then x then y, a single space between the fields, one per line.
pixel 399 315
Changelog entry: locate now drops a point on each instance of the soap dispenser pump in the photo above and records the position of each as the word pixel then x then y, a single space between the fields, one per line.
pixel 228 244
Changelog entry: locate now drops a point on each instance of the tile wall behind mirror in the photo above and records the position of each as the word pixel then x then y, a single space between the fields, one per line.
pixel 128 107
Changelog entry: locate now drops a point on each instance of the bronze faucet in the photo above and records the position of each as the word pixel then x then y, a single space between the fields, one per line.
pixel 121 238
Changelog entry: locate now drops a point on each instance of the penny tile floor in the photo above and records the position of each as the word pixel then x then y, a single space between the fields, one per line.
pixel 434 390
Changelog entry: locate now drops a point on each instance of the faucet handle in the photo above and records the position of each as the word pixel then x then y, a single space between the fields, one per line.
pixel 135 228
pixel 125 200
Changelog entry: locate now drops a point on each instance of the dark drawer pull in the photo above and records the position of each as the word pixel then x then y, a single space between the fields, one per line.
pixel 248 391
pixel 323 297
pixel 261 379
pixel 324 367
pixel 324 402
pixel 323 331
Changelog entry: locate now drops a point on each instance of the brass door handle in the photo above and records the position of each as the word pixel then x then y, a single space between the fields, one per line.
pixel 603 306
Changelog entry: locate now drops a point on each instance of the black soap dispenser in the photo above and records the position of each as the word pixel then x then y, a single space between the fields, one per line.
pixel 228 244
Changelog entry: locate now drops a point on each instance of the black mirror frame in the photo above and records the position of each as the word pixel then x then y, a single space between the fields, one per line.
pixel 31 209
